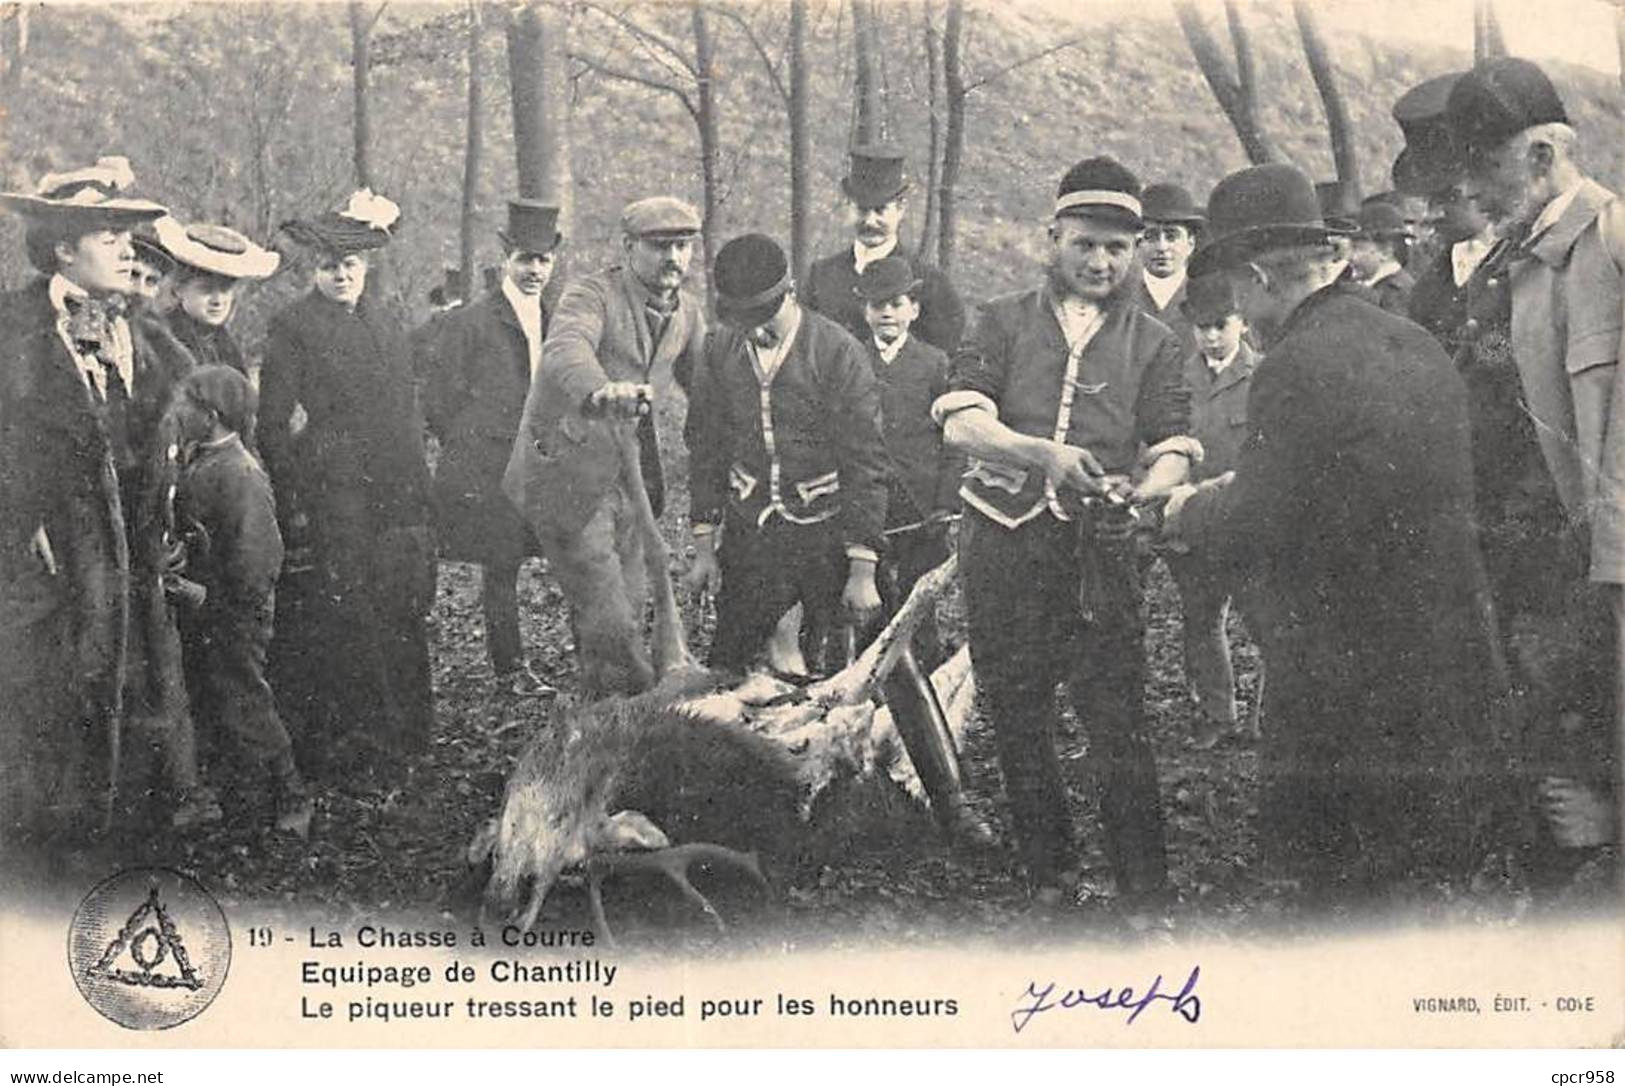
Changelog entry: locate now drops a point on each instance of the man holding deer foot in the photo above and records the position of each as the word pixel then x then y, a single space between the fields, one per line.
pixel 1054 393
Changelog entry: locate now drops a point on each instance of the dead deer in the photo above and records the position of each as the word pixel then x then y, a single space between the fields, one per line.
pixel 609 787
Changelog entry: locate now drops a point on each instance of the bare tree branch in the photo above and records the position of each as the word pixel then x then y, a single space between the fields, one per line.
pixel 632 77
pixel 1246 69
pixel 755 40
pixel 1000 73
pixel 1237 99
pixel 1325 77
pixel 650 39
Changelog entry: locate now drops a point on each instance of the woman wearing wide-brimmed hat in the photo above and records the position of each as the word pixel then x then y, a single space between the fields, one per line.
pixel 211 263
pixel 86 635
pixel 354 483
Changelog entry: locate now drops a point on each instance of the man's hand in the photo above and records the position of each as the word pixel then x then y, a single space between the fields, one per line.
pixel 621 399
pixel 1068 467
pixel 860 597
pixel 704 576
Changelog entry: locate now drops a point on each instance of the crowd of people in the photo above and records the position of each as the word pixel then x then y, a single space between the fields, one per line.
pixel 1388 433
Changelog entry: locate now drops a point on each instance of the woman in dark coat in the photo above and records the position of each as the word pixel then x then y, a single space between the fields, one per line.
pixel 352 484
pixel 211 264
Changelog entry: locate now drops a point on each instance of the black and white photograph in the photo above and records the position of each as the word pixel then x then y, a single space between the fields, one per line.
pixel 812 523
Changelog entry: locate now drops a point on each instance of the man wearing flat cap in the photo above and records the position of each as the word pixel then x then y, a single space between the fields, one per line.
pixel 786 460
pixel 1351 512
pixel 1172 221
pixel 87 637
pixel 1073 405
pixel 481 362
pixel 612 350
pixel 876 191
pixel 1568 306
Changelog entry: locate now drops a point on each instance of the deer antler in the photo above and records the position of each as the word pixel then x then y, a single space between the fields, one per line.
pixel 672 862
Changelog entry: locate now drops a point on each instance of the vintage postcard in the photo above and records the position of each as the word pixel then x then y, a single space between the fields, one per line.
pixel 812 524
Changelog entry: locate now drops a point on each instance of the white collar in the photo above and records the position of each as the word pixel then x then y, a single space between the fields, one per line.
pixel 1553 211
pixel 1466 256
pixel 889 351
pixel 863 255
pixel 524 305
pixel 768 360
pixel 1163 290
pixel 61 288
pixel 1384 270
pixel 1079 321
pixel 1222 364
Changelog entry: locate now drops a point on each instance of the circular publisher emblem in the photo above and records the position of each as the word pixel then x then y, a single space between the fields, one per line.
pixel 149 948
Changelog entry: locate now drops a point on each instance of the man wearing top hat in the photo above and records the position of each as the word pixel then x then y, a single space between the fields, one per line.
pixel 481 362
pixel 876 191
pixel 1566 281
pixel 87 636
pixel 1064 395
pixel 611 351
pixel 1351 512
pixel 786 460
pixel 1172 221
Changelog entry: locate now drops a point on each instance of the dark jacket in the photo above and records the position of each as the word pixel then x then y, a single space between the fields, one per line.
pixel 1173 314
pixel 1393 292
pixel 924 473
pixel 807 447
pixel 474 388
pixel 831 285
pixel 238 553
pixel 564 463
pixel 210 345
pixel 62 633
pixel 1352 510
pixel 1219 409
pixel 1129 393
pixel 351 372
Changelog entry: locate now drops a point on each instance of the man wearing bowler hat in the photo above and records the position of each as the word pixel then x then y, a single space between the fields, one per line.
pixel 786 460
pixel 611 350
pixel 1064 395
pixel 483 358
pixel 1567 312
pixel 877 196
pixel 1172 221
pixel 1378 251
pixel 1351 511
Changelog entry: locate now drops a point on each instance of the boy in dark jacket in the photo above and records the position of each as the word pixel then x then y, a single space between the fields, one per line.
pixel 235 554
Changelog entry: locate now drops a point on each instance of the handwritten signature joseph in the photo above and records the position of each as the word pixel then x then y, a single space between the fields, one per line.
pixel 1038 999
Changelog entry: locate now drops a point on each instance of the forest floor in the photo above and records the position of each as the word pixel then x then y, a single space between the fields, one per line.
pixel 398 848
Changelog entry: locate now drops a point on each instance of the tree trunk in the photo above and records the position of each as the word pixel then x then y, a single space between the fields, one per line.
pixel 866 126
pixel 537 72
pixel 1331 96
pixel 360 32
pixel 1236 97
pixel 953 141
pixel 14 31
pixel 1487 40
pixel 800 156
pixel 705 117
pixel 472 148
pixel 933 100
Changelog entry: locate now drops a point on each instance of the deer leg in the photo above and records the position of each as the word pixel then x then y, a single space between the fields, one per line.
pixel 674 863
pixel 595 898
pixel 670 648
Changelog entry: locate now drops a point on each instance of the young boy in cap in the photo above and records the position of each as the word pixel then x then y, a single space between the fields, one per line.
pixel 87 636
pixel 877 198
pixel 1172 221
pixel 787 461
pixel 226 512
pixel 1377 254
pixel 211 265
pixel 480 364
pixel 922 495
pixel 1219 374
